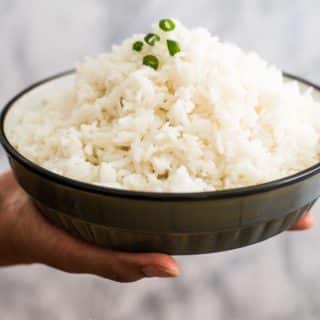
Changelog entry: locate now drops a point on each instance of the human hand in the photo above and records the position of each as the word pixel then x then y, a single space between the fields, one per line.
pixel 26 237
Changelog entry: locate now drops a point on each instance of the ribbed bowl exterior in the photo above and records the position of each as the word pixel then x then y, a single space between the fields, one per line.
pixel 172 243
pixel 190 226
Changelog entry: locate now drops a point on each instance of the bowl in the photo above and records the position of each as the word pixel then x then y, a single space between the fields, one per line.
pixel 173 223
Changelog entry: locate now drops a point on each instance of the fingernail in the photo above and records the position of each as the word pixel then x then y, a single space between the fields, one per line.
pixel 157 271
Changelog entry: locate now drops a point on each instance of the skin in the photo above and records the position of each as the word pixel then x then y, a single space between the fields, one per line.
pixel 26 238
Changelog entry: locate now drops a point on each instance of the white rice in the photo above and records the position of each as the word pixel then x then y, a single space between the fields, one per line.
pixel 211 117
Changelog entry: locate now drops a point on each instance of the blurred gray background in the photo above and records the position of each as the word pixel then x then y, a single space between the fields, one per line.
pixel 277 279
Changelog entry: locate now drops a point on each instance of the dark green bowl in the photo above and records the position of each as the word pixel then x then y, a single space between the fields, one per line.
pixel 174 223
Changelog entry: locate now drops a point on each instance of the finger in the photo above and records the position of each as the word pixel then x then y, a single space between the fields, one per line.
pixel 76 256
pixel 52 246
pixel 151 264
pixel 306 222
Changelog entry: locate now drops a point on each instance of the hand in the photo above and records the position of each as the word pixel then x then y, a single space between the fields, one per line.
pixel 26 237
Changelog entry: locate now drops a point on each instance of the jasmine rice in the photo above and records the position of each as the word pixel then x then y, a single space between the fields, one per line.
pixel 200 115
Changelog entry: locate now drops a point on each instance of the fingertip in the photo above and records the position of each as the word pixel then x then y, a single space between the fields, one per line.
pixel 152 264
pixel 159 271
pixel 306 222
pixel 166 263
pixel 309 221
pixel 172 266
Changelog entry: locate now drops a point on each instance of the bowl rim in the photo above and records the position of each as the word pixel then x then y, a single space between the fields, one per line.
pixel 146 195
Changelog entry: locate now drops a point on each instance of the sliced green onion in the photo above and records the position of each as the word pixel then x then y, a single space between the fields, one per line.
pixel 167 25
pixel 173 47
pixel 151 39
pixel 151 61
pixel 137 46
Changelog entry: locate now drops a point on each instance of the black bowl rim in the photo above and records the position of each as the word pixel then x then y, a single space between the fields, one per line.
pixel 145 195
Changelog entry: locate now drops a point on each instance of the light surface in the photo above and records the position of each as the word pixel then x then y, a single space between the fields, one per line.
pixel 277 279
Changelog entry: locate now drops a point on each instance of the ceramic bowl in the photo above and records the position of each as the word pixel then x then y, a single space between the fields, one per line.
pixel 173 223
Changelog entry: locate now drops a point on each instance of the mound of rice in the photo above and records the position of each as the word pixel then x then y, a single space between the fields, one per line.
pixel 211 117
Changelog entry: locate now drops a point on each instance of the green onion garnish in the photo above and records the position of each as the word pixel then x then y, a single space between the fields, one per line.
pixel 151 38
pixel 173 47
pixel 151 61
pixel 166 25
pixel 137 46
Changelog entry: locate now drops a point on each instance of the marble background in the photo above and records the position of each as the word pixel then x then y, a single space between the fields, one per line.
pixel 277 279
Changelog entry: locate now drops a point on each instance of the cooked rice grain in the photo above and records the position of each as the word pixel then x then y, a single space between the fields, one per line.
pixel 211 117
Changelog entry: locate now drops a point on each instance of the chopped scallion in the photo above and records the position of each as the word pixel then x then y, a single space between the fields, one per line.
pixel 151 39
pixel 167 25
pixel 151 61
pixel 137 46
pixel 173 47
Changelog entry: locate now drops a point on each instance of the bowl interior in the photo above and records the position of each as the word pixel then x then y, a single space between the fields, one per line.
pixel 34 95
